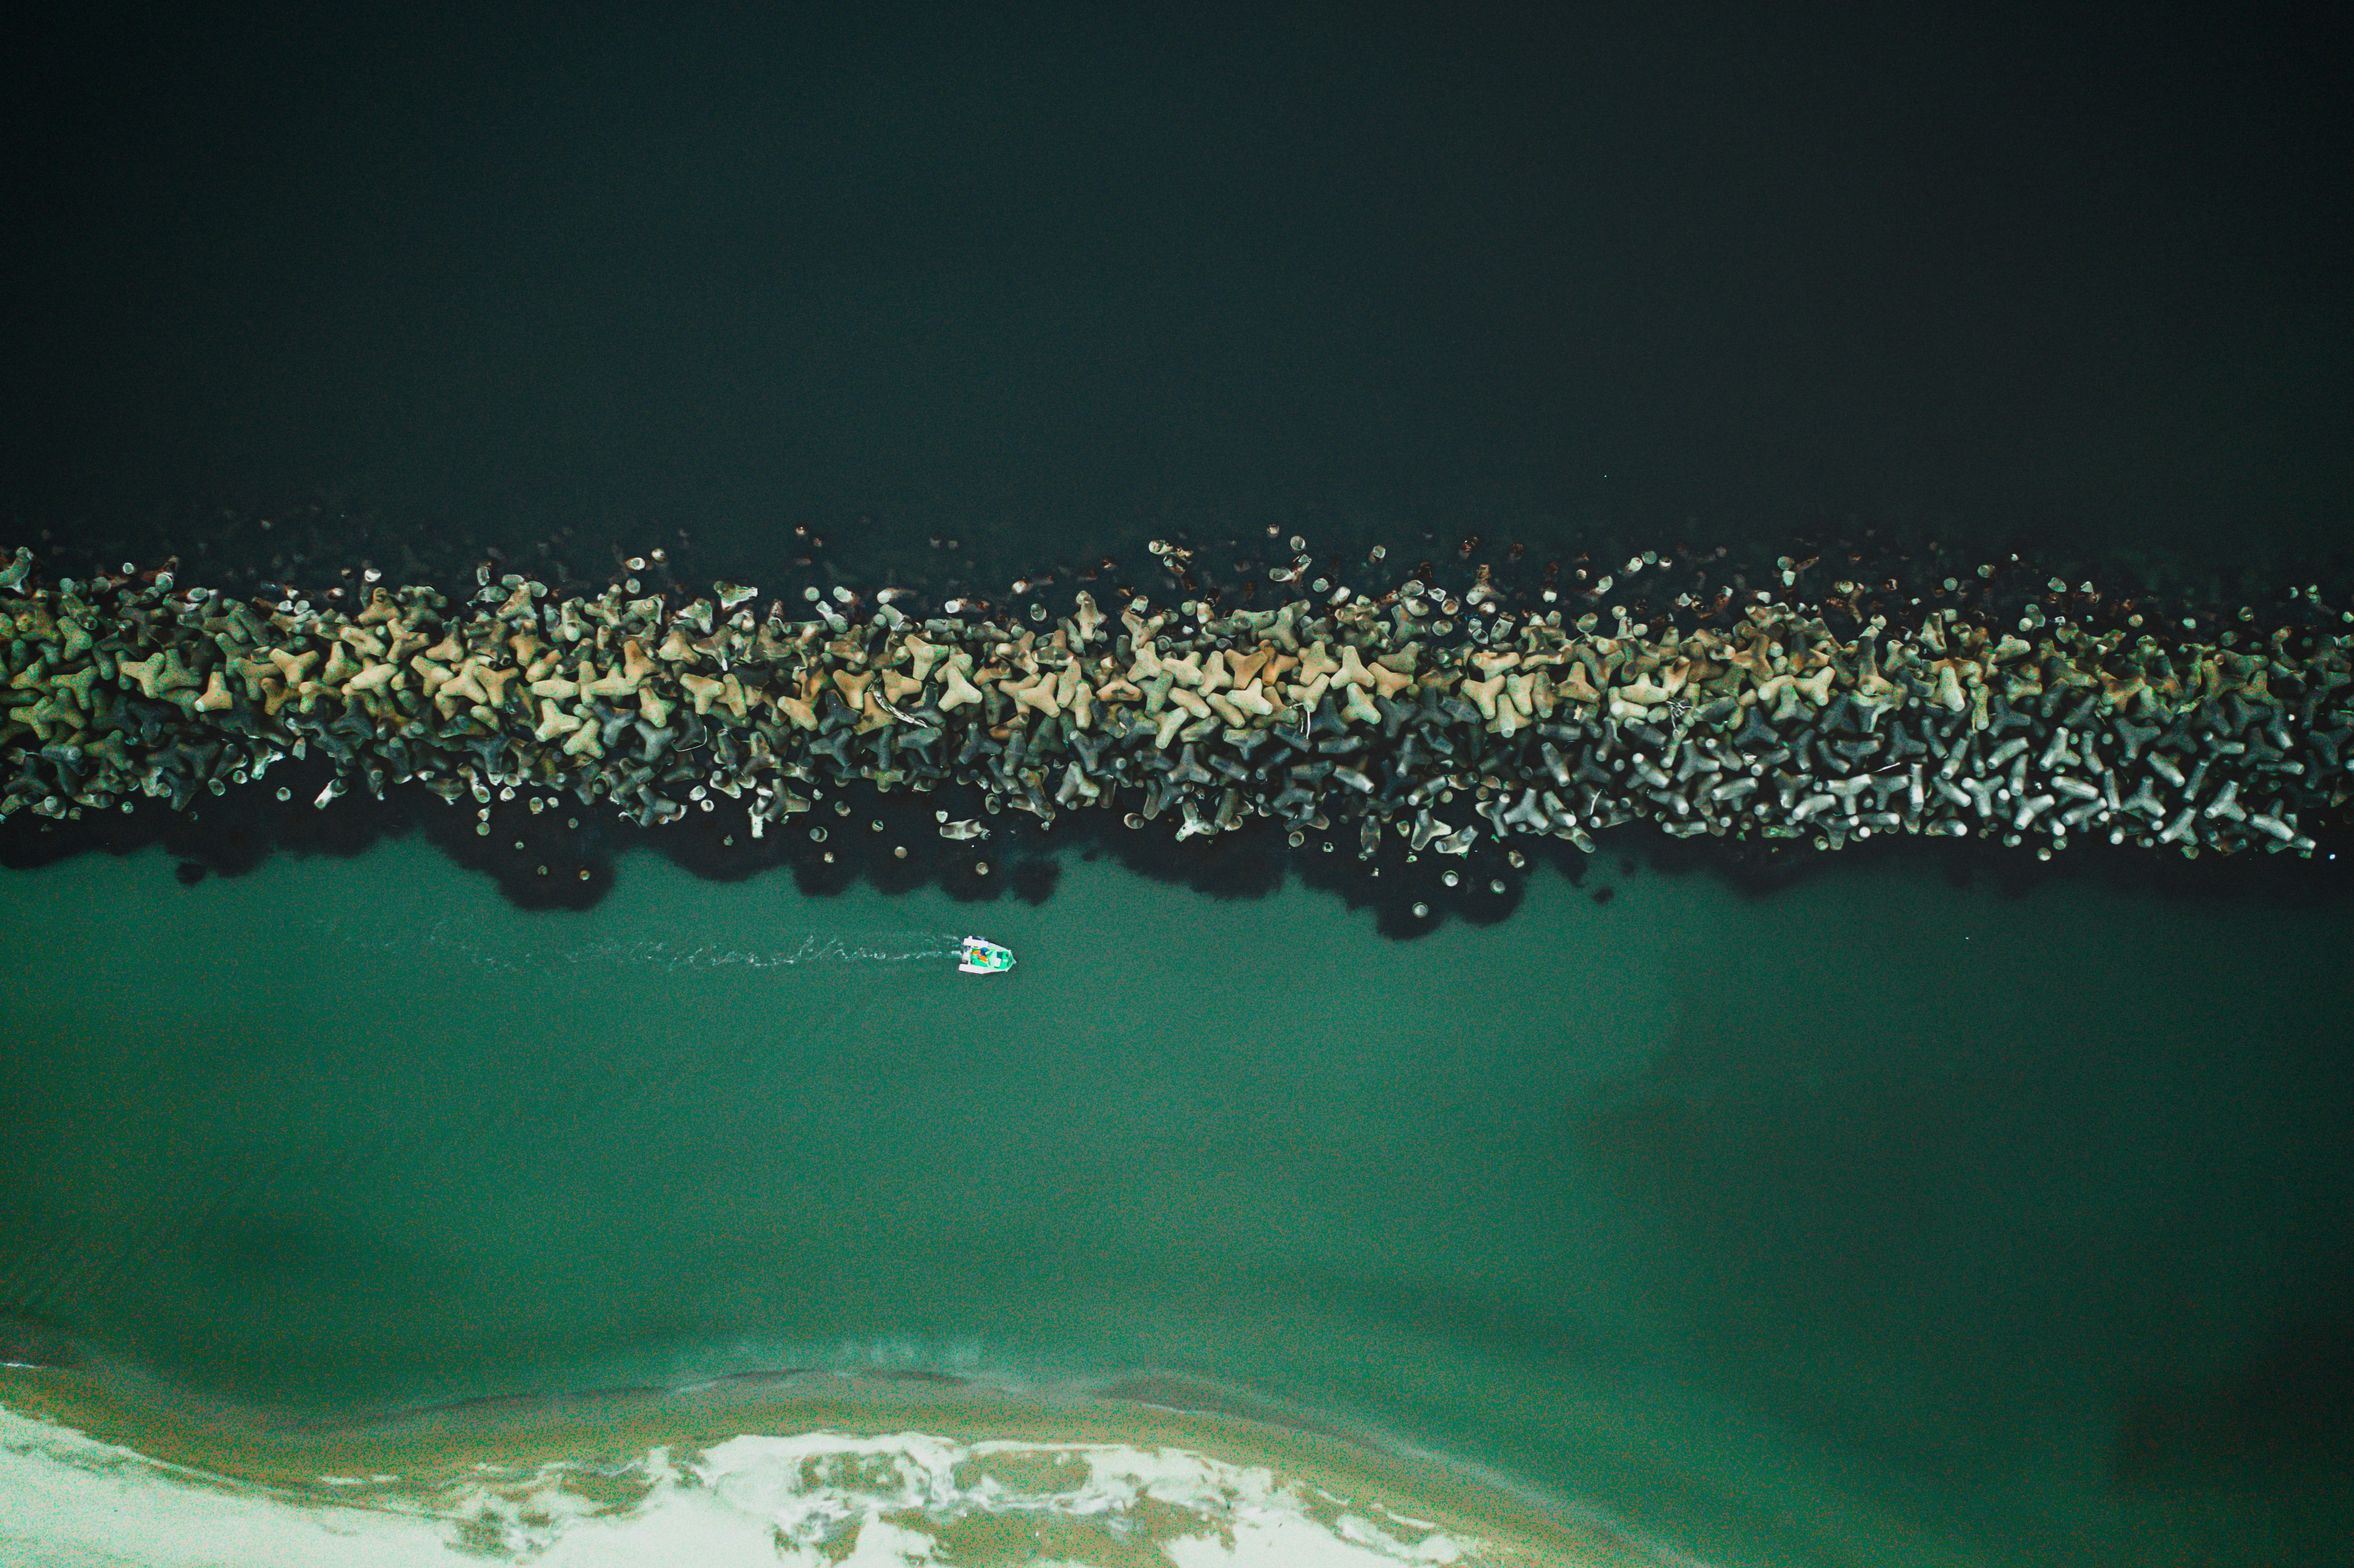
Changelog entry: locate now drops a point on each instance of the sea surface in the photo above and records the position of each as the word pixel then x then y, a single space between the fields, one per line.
pixel 1876 1221
pixel 1911 1211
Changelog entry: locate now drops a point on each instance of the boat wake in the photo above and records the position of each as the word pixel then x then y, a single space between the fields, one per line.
pixel 471 944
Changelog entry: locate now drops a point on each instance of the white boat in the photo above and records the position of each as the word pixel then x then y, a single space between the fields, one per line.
pixel 976 957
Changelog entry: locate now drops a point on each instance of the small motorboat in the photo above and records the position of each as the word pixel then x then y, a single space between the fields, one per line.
pixel 976 957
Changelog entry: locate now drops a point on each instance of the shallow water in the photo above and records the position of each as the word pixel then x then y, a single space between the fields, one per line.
pixel 1871 1221
pixel 866 1477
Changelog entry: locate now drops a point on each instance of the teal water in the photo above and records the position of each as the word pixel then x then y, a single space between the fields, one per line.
pixel 1853 1224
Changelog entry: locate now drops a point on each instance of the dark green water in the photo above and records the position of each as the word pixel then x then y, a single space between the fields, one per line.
pixel 1034 277
pixel 1879 1220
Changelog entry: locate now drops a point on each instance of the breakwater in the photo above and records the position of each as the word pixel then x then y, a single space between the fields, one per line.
pixel 1444 722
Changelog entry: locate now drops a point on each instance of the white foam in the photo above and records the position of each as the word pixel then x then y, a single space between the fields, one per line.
pixel 73 1502
pixel 812 1500
pixel 801 1498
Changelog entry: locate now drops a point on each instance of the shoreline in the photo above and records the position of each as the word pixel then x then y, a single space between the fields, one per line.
pixel 615 1442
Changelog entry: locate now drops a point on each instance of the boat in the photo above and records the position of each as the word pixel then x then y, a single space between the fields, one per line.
pixel 976 956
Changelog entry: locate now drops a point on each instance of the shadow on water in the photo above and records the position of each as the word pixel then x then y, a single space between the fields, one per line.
pixel 2081 1208
pixel 2286 1407
pixel 564 854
